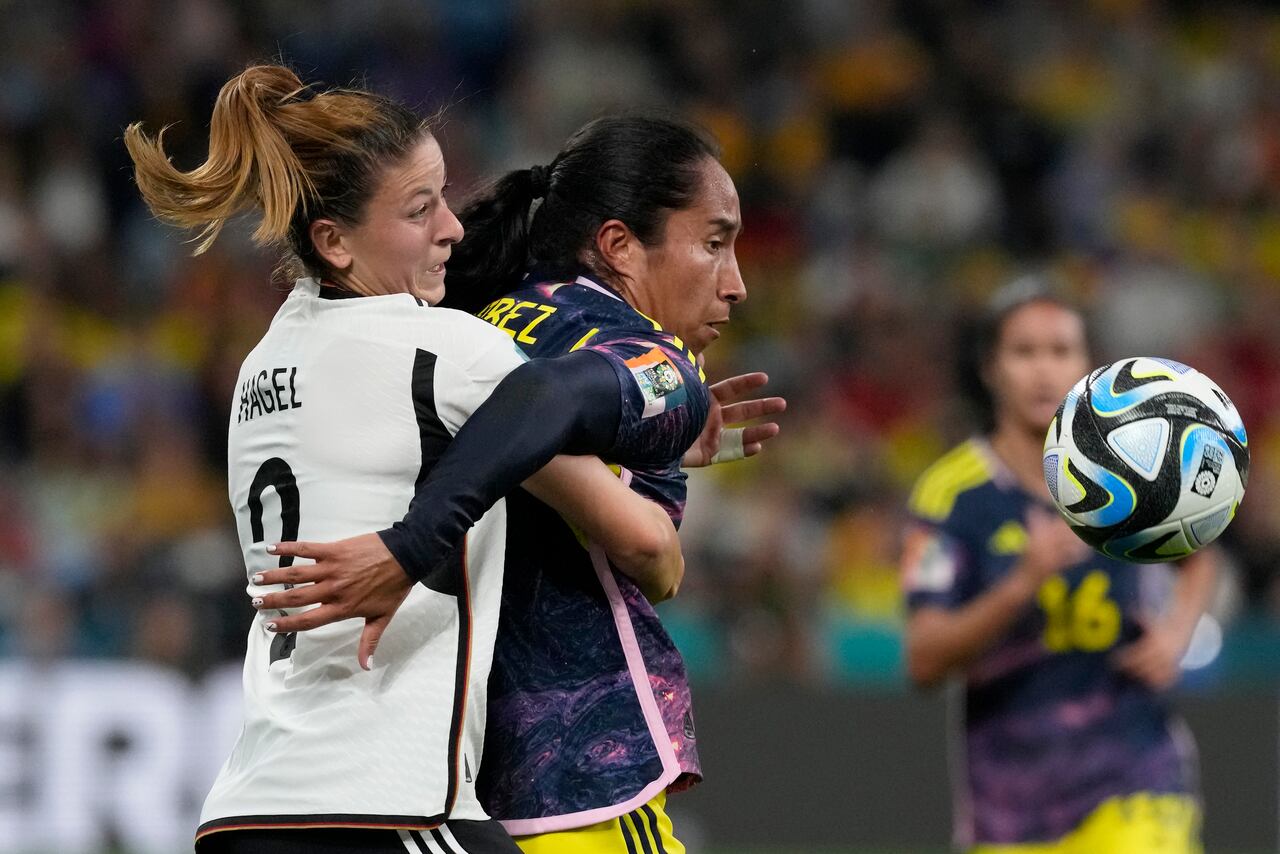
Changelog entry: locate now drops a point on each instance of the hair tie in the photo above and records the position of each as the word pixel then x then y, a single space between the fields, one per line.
pixel 539 180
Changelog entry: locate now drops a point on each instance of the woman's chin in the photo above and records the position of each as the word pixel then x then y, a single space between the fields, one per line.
pixel 1040 417
pixel 430 292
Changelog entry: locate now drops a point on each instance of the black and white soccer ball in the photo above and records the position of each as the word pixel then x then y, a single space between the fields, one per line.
pixel 1147 459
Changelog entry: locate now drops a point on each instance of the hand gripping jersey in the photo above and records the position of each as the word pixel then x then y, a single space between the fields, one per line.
pixel 589 706
pixel 1050 728
pixel 340 409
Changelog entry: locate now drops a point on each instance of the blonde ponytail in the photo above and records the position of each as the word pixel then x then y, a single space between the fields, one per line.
pixel 276 149
pixel 250 163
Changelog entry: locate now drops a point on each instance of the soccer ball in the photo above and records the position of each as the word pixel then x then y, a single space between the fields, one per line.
pixel 1146 459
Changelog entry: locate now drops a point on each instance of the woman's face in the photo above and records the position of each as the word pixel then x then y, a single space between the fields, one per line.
pixel 407 231
pixel 691 279
pixel 1041 352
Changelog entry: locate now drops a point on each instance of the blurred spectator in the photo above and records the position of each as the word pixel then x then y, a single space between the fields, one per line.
pixel 935 192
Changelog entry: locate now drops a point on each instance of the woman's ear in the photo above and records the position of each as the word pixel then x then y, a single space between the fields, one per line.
pixel 329 240
pixel 618 248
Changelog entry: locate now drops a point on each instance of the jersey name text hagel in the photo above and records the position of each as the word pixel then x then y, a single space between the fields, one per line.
pixel 268 391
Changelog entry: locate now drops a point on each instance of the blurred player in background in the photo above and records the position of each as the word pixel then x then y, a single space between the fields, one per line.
pixel 354 393
pixel 1067 743
pixel 622 246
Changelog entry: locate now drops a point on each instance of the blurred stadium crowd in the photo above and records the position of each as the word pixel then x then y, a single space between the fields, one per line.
pixel 897 163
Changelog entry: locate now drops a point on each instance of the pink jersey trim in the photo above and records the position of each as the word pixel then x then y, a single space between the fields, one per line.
pixel 652 716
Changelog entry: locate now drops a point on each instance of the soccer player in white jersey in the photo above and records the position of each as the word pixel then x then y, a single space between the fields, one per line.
pixel 344 406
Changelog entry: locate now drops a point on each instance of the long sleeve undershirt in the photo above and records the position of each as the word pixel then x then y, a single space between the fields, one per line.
pixel 570 404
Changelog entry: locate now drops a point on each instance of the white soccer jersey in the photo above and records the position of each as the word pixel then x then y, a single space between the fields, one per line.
pixel 339 410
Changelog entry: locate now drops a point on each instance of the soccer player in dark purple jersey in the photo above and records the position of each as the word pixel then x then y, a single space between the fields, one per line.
pixel 621 250
pixel 1067 744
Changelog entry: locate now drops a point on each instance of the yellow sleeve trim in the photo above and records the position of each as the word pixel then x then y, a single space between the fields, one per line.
pixel 584 339
pixel 935 493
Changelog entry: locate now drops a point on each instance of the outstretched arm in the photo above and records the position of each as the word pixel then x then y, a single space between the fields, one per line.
pixel 571 404
pixel 566 405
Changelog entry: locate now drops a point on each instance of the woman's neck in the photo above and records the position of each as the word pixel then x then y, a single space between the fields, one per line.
pixel 1021 450
pixel 350 285
pixel 627 289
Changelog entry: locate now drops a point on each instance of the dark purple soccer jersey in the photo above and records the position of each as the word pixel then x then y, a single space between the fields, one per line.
pixel 589 708
pixel 1051 728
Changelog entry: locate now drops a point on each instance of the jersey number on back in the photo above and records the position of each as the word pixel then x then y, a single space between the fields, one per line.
pixel 1085 620
pixel 276 473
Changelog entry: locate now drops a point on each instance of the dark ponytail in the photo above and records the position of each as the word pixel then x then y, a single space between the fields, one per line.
pixel 636 168
pixel 494 251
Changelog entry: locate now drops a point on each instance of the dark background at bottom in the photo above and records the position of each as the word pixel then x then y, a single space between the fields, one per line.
pixel 806 769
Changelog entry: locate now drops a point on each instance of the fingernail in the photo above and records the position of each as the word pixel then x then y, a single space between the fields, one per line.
pixel 272 549
pixel 257 601
pixel 271 627
pixel 369 665
pixel 257 579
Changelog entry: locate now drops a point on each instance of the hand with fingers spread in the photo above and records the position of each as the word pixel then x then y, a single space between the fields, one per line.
pixel 729 406
pixel 356 577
